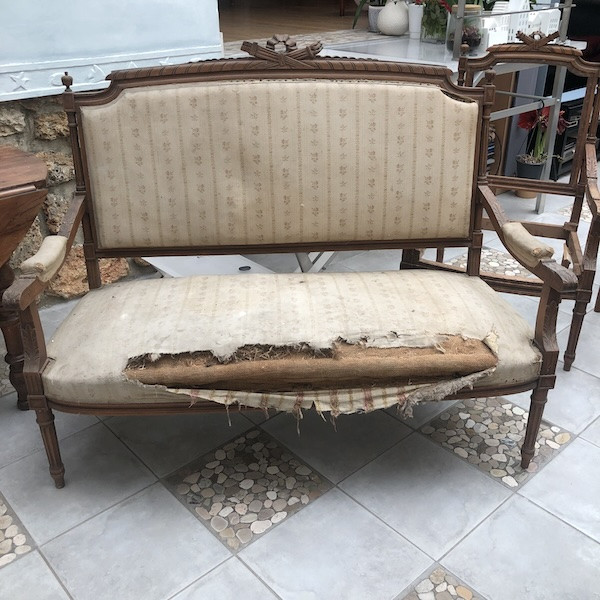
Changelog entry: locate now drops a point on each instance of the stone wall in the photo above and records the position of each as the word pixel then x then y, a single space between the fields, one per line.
pixel 40 126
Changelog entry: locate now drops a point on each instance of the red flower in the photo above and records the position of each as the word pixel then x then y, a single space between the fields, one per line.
pixel 446 5
pixel 528 120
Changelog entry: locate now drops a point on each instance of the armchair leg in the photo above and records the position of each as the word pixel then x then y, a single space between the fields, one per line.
pixel 45 419
pixel 574 332
pixel 536 409
pixel 597 305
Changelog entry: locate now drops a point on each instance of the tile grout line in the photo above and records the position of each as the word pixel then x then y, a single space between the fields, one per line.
pixel 51 568
pixel 66 437
pixel 569 525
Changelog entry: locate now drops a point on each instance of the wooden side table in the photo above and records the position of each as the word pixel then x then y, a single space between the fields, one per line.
pixel 22 193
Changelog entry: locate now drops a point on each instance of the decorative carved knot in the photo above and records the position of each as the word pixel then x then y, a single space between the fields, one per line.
pixel 537 39
pixel 292 56
pixel 285 39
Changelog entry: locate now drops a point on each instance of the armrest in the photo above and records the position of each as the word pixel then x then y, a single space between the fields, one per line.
pixel 48 259
pixel 41 267
pixel 526 248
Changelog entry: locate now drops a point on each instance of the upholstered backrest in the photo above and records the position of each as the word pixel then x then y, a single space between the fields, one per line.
pixel 280 161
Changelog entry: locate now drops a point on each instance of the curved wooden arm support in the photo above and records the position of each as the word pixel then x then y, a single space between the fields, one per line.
pixel 591 172
pixel 26 288
pixel 559 278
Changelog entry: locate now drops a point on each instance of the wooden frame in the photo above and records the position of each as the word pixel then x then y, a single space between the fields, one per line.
pixel 272 65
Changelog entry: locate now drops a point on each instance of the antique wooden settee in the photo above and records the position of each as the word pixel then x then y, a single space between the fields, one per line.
pixel 283 152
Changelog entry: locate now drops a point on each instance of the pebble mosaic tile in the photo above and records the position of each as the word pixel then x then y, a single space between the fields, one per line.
pixel 14 541
pixel 494 261
pixel 586 213
pixel 488 432
pixel 441 585
pixel 247 486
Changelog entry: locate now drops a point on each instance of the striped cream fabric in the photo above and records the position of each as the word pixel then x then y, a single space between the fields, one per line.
pixel 259 162
pixel 220 313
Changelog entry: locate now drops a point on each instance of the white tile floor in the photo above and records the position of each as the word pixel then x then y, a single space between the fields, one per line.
pixel 399 505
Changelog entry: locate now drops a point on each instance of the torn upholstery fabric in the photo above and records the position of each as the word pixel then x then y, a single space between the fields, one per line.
pixel 92 349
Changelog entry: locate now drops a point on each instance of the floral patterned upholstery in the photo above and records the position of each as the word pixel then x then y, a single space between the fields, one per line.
pixel 279 162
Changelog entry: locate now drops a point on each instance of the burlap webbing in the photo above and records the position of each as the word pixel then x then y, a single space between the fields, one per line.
pixel 288 369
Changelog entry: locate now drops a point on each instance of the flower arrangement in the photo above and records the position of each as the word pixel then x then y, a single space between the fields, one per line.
pixel 435 17
pixel 536 123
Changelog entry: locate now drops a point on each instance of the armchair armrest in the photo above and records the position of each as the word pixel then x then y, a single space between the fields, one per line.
pixel 529 249
pixel 41 267
pixel 48 259
pixel 526 248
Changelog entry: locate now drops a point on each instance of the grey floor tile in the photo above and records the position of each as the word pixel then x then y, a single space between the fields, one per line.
pixel 427 494
pixel 54 315
pixel 20 433
pixel 569 487
pixel 280 263
pixel 260 416
pixel 165 443
pixel 573 403
pixel 373 260
pixel 586 358
pixel 148 546
pixel 30 578
pixel 592 433
pixel 337 451
pixel 230 581
pixel 423 413
pixel 521 551
pixel 100 471
pixel 335 549
pixel 527 307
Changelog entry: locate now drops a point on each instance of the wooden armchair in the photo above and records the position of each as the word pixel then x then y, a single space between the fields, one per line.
pixel 582 185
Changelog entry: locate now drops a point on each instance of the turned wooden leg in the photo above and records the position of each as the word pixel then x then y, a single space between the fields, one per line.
pixel 9 324
pixel 536 410
pixel 574 332
pixel 45 419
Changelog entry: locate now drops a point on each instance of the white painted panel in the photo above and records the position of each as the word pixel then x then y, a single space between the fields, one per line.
pixel 40 39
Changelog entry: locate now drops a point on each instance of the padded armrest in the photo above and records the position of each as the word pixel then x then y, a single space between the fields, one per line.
pixel 48 259
pixel 525 246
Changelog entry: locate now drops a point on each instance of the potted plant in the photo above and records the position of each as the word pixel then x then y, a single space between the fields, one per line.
pixel 435 19
pixel 531 164
pixel 375 7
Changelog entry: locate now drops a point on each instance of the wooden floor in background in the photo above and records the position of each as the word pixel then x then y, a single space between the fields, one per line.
pixel 251 19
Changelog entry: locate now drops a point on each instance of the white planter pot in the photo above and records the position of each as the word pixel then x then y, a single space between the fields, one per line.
pixel 393 19
pixel 415 16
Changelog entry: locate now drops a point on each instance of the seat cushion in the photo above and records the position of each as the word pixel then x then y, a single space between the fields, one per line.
pixel 112 328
